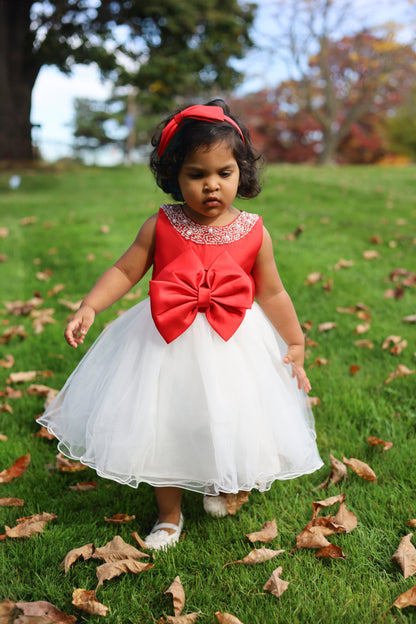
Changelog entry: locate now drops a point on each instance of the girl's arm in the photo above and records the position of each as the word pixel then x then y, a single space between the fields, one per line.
pixel 114 283
pixel 278 307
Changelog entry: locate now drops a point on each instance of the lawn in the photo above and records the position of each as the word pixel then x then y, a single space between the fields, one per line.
pixel 58 232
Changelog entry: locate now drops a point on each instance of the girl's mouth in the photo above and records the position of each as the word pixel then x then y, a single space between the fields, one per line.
pixel 212 202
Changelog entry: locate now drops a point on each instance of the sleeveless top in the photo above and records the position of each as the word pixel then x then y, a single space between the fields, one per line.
pixel 202 269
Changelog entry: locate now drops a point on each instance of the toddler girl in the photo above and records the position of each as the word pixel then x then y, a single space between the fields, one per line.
pixel 192 387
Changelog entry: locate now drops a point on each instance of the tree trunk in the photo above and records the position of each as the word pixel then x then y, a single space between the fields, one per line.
pixel 18 72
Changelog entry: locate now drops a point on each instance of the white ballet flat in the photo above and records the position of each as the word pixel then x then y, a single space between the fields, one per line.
pixel 159 539
pixel 215 506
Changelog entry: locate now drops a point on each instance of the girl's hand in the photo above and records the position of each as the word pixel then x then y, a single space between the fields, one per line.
pixel 294 357
pixel 78 326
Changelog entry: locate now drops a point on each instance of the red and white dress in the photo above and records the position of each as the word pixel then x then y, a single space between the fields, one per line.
pixel 188 387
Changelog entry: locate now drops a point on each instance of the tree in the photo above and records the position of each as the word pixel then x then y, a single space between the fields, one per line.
pixel 166 48
pixel 401 127
pixel 338 80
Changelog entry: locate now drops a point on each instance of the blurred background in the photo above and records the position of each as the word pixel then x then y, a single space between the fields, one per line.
pixel 316 81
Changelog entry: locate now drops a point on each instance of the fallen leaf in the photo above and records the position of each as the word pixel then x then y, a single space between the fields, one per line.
pixel 390 339
pixel 11 393
pixel 44 433
pixel 258 555
pixel 131 296
pixel 16 470
pixel 105 229
pixel 412 523
pixel 42 611
pixel 343 264
pixel 328 285
pixel 22 376
pixel 327 326
pixel 28 220
pixel 5 407
pixel 371 254
pixel 405 556
pixel 275 585
pixel 234 502
pixel 345 518
pixel 4 232
pixel 314 401
pixel 227 618
pixel 117 549
pixel 139 540
pixel 87 601
pixel 401 371
pixel 307 326
pixel 180 619
pixel 321 361
pixel 84 486
pixel 42 318
pixel 266 534
pixel 407 599
pixel 362 328
pixel 8 361
pixel 311 538
pixel 354 368
pixel 56 289
pixel 83 552
pixel 178 595
pixel 337 474
pixel 398 348
pixel 394 293
pixel 325 526
pixel 107 571
pixel 65 465
pixel 44 276
pixel 71 305
pixel 15 331
pixel 314 278
pixel 119 518
pixel 376 240
pixel 362 469
pixel 374 441
pixel 11 502
pixel 3 438
pixel 364 344
pixel 409 319
pixel 328 502
pixel 331 551
pixel 30 525
pixel 18 308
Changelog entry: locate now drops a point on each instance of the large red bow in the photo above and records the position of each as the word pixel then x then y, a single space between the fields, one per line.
pixel 184 287
pixel 199 112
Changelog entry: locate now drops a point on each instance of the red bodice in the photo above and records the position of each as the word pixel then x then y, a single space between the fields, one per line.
pixel 199 268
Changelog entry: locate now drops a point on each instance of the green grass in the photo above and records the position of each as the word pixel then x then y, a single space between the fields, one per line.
pixel 341 209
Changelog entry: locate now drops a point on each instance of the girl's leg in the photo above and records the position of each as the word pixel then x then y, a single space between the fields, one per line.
pixel 169 504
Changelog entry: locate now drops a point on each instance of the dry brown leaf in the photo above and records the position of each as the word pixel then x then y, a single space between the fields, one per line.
pixel 343 264
pixel 362 328
pixel 360 468
pixel 409 319
pixel 345 518
pixel 371 254
pixel 234 502
pixel 374 441
pixel 107 571
pixel 66 465
pixel 30 525
pixel 16 470
pixel 311 538
pixel 180 619
pixel 364 344
pixel 41 318
pixel 8 361
pixel 328 285
pixel 139 540
pixel 407 599
pixel 3 438
pixel 56 289
pixel 44 433
pixel 44 276
pixel 390 339
pixel 84 486
pixel 131 296
pixel 41 390
pixel 266 534
pixel 337 474
pixel 22 376
pixel 178 595
pixel 71 305
pixel 332 551
pixel 399 347
pixel 119 518
pixel 401 371
pixel 321 361
pixel 394 293
pixel 327 326
pixel 314 278
pixel 11 393
pixel 105 229
pixel 42 611
pixel 116 550
pixel 258 555
pixel 405 556
pixel 275 585
pixel 307 326
pixel 325 526
pixel 11 502
pixel 354 368
pixel 84 552
pixel 15 331
pixel 227 618
pixel 327 502
pixel 5 407
pixel 4 232
pixel 87 601
pixel 412 523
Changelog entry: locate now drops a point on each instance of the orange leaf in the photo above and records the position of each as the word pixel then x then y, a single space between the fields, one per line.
pixel 117 549
pixel 398 348
pixel 30 525
pixel 311 538
pixel 17 469
pixel 275 585
pixel 227 618
pixel 257 556
pixel 345 518
pixel 390 339
pixel 332 552
pixel 178 595
pixel 407 599
pixel 87 601
pixel 405 556
pixel 412 523
pixel 42 611
pixel 328 502
pixel 181 619
pixel 314 401
pixel 84 486
pixel 401 371
pixel 234 502
pixel 360 468
pixel 374 441
pixel 84 552
pixel 8 361
pixel 107 571
pixel 11 502
pixel 65 465
pixel 119 518
pixel 354 369
pixel 266 534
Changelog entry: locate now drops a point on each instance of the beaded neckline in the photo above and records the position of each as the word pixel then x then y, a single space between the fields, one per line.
pixel 209 234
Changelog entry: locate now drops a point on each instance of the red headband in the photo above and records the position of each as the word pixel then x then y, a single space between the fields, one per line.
pixel 202 113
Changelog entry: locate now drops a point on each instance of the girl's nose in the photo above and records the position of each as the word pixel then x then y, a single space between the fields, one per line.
pixel 211 184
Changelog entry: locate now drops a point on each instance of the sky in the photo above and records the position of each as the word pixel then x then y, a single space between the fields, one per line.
pixel 54 93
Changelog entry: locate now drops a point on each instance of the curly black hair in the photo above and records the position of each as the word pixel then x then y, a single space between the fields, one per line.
pixel 194 134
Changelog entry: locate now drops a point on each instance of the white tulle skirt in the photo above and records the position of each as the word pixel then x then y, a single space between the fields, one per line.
pixel 198 413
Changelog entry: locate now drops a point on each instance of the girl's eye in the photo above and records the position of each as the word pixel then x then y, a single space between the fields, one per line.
pixel 195 176
pixel 225 174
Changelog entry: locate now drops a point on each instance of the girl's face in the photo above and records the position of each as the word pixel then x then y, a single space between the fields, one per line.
pixel 208 180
